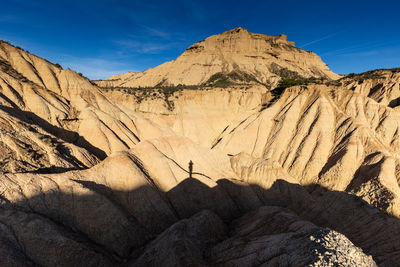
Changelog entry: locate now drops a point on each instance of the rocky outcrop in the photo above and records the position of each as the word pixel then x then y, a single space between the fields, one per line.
pixel 235 54
pixel 204 239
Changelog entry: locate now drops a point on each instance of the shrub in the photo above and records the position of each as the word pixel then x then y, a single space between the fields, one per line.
pixel 283 72
pixel 288 82
pixel 372 74
pixel 235 77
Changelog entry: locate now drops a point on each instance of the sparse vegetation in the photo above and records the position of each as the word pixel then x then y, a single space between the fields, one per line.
pixel 282 85
pixel 361 77
pixel 283 72
pixel 289 82
pixel 218 80
pixel 233 78
pixel 164 92
pixel 333 83
pixel 372 75
pixel 83 76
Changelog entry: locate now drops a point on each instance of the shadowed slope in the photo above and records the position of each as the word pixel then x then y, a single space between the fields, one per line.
pixel 110 213
pixel 115 233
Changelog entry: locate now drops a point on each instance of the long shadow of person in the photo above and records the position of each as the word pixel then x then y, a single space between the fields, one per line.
pixel 190 169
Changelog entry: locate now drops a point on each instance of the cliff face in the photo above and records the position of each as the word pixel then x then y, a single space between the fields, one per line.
pixel 102 177
pixel 264 58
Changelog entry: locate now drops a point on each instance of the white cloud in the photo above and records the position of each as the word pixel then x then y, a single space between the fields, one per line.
pixel 95 69
pixel 157 33
pixel 138 47
pixel 321 39
pixel 360 48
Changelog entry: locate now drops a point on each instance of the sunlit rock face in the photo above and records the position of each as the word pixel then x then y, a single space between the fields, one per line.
pixel 261 57
pixel 230 168
pixel 62 105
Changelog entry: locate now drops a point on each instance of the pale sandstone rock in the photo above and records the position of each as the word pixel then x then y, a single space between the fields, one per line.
pixel 259 55
pixel 67 105
pixel 316 135
pixel 118 206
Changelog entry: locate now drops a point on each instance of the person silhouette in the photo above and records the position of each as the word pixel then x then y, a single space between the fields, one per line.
pixel 190 169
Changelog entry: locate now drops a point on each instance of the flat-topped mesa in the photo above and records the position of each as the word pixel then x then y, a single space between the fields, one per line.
pixel 258 58
pixel 239 40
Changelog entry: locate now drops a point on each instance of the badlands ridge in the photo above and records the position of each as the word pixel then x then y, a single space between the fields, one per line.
pixel 293 165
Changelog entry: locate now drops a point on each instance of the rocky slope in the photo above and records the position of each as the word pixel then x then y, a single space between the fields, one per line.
pixel 112 212
pixel 237 55
pixel 343 136
pixel 281 176
pixel 58 106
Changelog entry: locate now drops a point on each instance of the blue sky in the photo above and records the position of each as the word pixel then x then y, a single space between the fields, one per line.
pixel 104 37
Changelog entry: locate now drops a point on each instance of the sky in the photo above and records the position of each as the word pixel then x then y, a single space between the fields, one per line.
pixel 105 37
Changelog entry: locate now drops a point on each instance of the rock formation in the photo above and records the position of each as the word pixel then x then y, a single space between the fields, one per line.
pixel 260 57
pixel 64 104
pixel 281 176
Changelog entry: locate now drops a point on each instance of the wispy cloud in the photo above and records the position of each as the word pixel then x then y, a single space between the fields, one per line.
pixel 151 40
pixel 144 47
pixel 157 33
pixel 321 39
pixel 363 53
pixel 360 48
pixel 95 68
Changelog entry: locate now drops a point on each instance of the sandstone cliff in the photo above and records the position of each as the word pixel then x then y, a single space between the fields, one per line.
pixel 262 57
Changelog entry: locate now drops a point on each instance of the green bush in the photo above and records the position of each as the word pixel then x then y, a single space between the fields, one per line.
pixel 235 77
pixel 288 82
